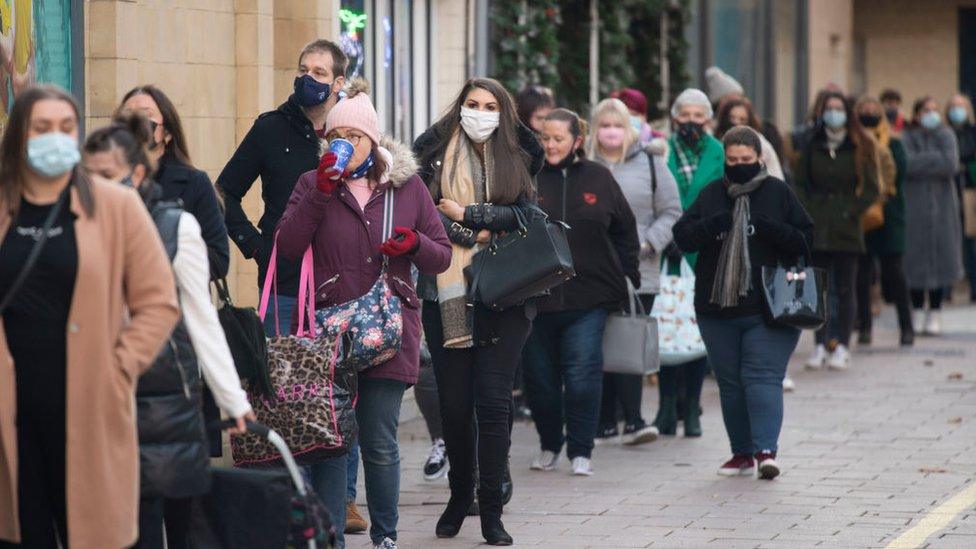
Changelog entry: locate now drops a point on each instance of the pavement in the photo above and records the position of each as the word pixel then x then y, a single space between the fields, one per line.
pixel 881 455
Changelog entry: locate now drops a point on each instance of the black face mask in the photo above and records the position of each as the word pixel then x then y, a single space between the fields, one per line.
pixel 742 173
pixel 892 114
pixel 691 132
pixel 869 120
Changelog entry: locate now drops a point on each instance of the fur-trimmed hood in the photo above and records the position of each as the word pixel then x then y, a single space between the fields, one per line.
pixel 400 161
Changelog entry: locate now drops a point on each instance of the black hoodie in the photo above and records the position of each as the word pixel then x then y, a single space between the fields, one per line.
pixel 281 146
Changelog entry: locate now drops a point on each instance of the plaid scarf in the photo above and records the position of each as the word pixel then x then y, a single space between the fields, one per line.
pixel 687 160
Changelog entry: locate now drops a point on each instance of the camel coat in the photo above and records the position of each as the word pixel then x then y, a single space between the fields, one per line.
pixel 122 268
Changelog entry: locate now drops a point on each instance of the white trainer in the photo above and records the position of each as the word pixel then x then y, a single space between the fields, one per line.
pixel 920 318
pixel 817 359
pixel 582 467
pixel 788 385
pixel 840 359
pixel 933 323
pixel 545 462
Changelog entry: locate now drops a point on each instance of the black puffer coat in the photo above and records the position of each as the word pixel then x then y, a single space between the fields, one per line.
pixel 173 450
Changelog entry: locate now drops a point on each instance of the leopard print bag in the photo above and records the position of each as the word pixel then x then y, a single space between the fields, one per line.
pixel 313 393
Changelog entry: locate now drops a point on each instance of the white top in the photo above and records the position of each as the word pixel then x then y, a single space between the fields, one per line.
pixel 192 271
pixel 769 157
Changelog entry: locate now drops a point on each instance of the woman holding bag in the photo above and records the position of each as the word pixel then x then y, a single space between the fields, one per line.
pixel 477 161
pixel 738 225
pixel 339 213
pixel 565 348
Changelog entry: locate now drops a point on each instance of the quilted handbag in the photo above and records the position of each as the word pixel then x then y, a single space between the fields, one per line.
pixel 630 340
pixel 370 327
pixel 679 340
pixel 312 392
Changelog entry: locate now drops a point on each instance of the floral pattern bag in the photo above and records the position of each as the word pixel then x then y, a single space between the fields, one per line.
pixel 370 327
pixel 679 340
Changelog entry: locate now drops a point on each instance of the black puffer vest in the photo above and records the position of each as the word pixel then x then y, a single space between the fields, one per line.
pixel 173 451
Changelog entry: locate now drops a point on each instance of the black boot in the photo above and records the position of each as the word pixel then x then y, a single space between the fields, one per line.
pixel 462 499
pixel 508 487
pixel 491 517
pixel 667 416
pixel 691 415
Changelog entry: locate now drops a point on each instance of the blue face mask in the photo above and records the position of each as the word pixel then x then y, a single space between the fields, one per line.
pixel 637 123
pixel 310 92
pixel 363 168
pixel 52 154
pixel 835 119
pixel 958 115
pixel 930 120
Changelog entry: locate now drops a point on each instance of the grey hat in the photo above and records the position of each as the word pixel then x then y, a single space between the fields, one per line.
pixel 691 96
pixel 720 84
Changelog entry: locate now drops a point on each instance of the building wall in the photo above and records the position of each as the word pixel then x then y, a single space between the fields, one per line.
pixel 830 44
pixel 910 46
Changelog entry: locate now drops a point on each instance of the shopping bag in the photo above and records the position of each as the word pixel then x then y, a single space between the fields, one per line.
pixel 630 340
pixel 796 296
pixel 679 340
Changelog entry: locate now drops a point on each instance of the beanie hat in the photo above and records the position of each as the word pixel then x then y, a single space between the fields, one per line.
pixel 634 99
pixel 355 111
pixel 691 96
pixel 720 84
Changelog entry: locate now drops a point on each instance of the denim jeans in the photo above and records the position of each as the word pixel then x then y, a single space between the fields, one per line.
pixel 286 308
pixel 378 415
pixel 563 362
pixel 352 471
pixel 749 358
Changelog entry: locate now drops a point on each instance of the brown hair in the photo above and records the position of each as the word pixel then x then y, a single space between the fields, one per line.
pixel 130 135
pixel 725 114
pixel 511 179
pixel 171 120
pixel 577 126
pixel 531 99
pixel 918 106
pixel 865 146
pixel 339 59
pixel 743 135
pixel 13 149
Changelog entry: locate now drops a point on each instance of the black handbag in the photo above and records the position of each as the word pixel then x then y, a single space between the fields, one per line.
pixel 523 264
pixel 796 296
pixel 245 337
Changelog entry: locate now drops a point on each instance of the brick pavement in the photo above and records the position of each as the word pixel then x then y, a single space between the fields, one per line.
pixel 865 453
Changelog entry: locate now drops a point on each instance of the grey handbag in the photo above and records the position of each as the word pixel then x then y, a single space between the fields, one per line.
pixel 630 340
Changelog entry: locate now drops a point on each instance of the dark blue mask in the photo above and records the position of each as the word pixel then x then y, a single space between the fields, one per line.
pixel 363 168
pixel 310 92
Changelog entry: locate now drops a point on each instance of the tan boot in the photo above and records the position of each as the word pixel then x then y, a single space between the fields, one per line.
pixel 355 523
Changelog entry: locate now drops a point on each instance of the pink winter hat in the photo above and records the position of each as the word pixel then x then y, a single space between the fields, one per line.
pixel 356 111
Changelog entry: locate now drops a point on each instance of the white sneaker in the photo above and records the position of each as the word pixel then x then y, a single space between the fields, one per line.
pixel 840 359
pixel 818 358
pixel 919 319
pixel 387 543
pixel 788 385
pixel 933 323
pixel 545 462
pixel 582 467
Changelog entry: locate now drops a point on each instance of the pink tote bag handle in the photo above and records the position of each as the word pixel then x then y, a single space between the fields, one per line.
pixel 306 290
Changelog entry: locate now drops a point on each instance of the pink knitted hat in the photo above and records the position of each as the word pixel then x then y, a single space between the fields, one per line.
pixel 356 111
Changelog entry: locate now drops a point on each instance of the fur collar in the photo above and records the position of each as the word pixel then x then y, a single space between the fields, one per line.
pixel 401 164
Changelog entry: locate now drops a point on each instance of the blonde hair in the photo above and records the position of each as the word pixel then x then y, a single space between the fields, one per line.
pixel 616 109
pixel 881 133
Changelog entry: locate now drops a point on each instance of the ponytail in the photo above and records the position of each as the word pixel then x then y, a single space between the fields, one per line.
pixel 130 134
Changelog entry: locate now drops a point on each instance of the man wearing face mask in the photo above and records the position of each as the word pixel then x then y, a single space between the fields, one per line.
pixel 891 101
pixel 282 145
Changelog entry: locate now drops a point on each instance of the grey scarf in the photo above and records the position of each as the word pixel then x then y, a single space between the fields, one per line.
pixel 733 278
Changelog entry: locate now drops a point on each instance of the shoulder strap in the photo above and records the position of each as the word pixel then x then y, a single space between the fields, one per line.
pixel 387 220
pixel 650 161
pixel 35 252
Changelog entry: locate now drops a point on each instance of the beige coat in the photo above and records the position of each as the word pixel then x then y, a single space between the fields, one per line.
pixel 121 267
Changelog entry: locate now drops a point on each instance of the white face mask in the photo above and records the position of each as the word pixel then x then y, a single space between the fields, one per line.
pixel 479 125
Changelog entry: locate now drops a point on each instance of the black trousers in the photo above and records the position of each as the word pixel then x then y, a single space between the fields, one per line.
pixel 893 286
pixel 475 389
pixel 174 513
pixel 841 270
pixel 623 389
pixel 41 491
pixel 935 298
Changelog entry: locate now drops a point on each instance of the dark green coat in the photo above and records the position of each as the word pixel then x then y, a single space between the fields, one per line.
pixel 890 238
pixel 828 188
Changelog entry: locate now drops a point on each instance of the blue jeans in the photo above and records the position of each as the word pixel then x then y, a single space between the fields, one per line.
pixel 378 415
pixel 749 358
pixel 563 363
pixel 286 307
pixel 352 471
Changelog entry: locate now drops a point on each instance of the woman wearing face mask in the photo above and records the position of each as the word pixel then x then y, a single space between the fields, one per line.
pixel 959 113
pixel 339 213
pixel 478 169
pixel 69 359
pixel 887 243
pixel 695 159
pixel 738 111
pixel 172 443
pixel 652 194
pixel 837 179
pixel 563 359
pixel 739 224
pixel 933 253
pixel 174 173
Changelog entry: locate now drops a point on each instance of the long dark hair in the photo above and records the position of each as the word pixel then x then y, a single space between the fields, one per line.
pixel 531 99
pixel 511 179
pixel 130 134
pixel 865 146
pixel 171 120
pixel 917 109
pixel 13 149
pixel 725 114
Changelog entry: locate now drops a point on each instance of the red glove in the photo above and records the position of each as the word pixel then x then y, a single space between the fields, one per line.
pixel 327 177
pixel 404 242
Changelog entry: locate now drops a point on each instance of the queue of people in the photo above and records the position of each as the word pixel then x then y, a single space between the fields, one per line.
pixel 125 347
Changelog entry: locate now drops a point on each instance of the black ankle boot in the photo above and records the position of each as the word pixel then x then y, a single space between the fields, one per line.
pixel 452 518
pixel 491 517
pixel 692 417
pixel 667 416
